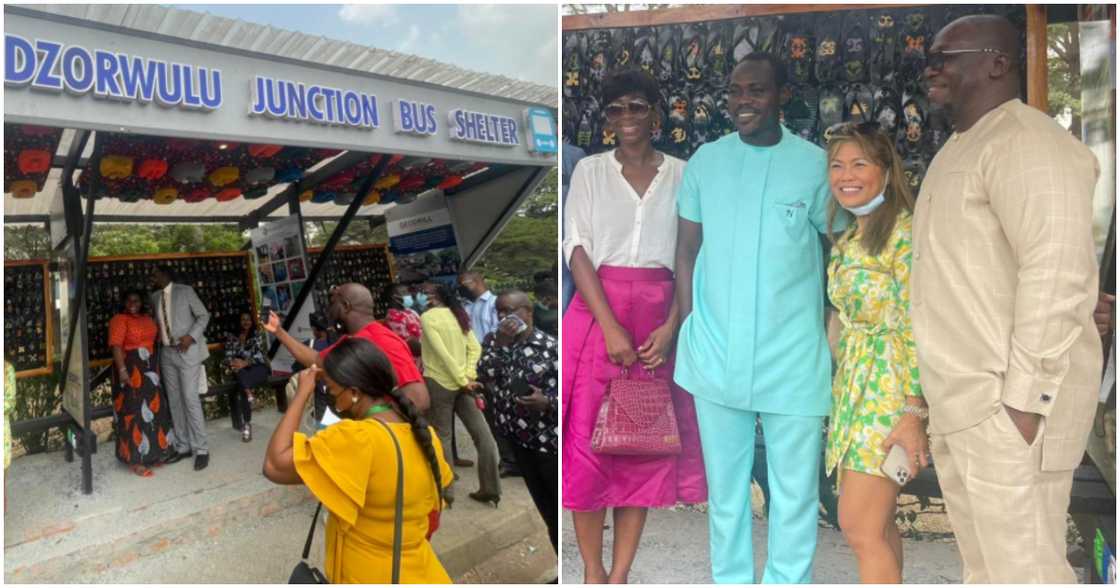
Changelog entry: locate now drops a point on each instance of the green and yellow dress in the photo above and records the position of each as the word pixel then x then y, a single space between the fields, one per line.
pixel 877 362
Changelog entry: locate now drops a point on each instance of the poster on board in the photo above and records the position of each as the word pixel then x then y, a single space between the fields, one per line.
pixel 281 272
pixel 422 240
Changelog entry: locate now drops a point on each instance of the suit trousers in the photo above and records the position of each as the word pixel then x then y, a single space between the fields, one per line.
pixel 793 459
pixel 180 381
pixel 447 402
pixel 540 472
pixel 1009 516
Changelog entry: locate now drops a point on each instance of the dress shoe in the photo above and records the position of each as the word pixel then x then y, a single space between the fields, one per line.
pixel 201 461
pixel 463 463
pixel 508 472
pixel 486 498
pixel 176 456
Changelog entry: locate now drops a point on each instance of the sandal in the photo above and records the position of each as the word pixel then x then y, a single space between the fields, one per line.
pixel 141 471
pixel 855 49
pixel 828 53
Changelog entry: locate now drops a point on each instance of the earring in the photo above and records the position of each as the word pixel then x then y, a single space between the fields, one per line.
pixel 354 399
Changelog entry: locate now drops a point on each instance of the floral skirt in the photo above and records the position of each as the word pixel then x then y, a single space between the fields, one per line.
pixel 141 415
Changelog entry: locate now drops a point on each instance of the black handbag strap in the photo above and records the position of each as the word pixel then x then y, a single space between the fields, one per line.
pixel 398 516
pixel 311 531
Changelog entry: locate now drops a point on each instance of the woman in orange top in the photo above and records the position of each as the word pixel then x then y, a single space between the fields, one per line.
pixel 141 416
pixel 351 467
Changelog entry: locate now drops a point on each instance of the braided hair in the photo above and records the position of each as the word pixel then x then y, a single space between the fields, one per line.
pixel 357 363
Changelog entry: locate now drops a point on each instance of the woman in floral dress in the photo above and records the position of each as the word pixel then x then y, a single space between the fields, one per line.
pixel 141 416
pixel 877 400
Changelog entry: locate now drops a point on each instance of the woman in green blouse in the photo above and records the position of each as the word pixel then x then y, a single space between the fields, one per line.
pixel 877 400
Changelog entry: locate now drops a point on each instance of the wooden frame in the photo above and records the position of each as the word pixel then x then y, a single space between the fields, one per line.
pixel 1037 84
pixel 48 307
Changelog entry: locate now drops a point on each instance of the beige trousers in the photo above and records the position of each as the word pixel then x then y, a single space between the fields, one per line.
pixel 1009 516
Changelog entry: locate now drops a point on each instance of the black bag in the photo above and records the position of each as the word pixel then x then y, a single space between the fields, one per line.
pixel 303 573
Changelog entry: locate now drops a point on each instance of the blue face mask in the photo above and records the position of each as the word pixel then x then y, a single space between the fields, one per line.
pixel 421 300
pixel 873 204
pixel 407 301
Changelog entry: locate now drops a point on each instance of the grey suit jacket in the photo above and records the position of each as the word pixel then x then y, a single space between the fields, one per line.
pixel 188 317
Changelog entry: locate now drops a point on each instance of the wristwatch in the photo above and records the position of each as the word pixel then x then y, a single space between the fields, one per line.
pixel 921 412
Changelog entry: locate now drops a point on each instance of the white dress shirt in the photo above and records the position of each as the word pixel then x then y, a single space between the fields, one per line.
pixel 484 315
pixel 614 224
pixel 165 333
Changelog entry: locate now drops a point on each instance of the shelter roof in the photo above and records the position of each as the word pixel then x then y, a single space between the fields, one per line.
pixel 239 34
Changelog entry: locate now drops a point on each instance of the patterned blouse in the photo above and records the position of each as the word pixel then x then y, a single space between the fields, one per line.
pixel 133 332
pixel 405 323
pixel 877 365
pixel 534 360
pixel 252 351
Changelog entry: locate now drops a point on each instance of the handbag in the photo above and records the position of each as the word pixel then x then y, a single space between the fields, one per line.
pixel 636 418
pixel 304 573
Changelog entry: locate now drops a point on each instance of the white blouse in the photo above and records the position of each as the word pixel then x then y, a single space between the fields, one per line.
pixel 613 223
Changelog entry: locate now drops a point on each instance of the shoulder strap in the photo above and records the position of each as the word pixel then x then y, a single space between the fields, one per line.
pixel 398 516
pixel 311 531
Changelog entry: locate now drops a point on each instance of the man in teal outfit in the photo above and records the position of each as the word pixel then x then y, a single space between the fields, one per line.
pixel 750 287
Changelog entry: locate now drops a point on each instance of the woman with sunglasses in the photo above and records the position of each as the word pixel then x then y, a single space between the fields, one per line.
pixel 621 226
pixel 877 400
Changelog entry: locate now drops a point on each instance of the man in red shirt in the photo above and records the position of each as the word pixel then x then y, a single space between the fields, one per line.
pixel 351 307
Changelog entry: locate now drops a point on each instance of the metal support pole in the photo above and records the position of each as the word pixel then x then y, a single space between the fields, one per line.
pixel 328 249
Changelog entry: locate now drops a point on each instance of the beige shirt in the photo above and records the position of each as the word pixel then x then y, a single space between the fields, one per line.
pixel 1004 279
pixel 613 223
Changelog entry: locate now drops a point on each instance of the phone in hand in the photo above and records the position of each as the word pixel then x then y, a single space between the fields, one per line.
pixel 520 325
pixel 519 387
pixel 897 465
pixel 266 308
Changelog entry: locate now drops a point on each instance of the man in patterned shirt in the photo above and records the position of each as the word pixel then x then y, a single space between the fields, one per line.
pixel 519 369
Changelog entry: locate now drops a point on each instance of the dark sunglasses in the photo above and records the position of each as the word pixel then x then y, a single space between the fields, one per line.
pixel 848 129
pixel 636 108
pixel 936 59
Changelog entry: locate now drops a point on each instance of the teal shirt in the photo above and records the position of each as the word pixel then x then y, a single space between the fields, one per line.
pixel 755 339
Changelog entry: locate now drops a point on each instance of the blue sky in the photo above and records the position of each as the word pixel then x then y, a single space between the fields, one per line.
pixel 518 41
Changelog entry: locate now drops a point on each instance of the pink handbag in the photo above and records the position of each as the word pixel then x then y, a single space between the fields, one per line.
pixel 636 418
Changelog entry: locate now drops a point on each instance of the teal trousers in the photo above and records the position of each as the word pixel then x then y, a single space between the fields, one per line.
pixel 793 458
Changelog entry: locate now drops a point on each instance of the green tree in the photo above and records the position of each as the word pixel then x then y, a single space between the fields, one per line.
pixel 528 244
pixel 1063 66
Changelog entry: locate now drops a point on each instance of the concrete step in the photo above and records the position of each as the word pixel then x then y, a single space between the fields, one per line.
pixel 224 524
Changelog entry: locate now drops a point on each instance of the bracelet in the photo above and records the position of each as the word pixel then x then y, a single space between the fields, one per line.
pixel 921 412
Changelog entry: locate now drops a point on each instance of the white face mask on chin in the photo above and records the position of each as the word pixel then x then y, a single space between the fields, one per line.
pixel 873 204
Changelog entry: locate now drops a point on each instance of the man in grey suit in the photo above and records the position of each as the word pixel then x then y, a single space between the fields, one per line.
pixel 181 319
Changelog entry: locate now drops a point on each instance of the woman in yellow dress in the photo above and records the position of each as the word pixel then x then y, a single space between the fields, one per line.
pixel 877 400
pixel 351 467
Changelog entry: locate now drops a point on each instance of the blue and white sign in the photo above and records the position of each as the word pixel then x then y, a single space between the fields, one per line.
pixel 51 66
pixel 414 118
pixel 316 104
pixel 479 127
pixel 540 130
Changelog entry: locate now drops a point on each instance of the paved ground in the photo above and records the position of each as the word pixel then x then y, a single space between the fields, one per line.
pixel 226 524
pixel 674 550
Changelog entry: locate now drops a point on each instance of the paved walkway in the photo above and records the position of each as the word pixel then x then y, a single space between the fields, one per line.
pixel 226 524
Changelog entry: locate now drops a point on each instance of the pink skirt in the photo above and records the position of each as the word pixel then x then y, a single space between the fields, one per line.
pixel 640 299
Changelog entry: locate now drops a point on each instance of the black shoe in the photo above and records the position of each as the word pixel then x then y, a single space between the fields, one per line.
pixel 508 472
pixel 201 461
pixel 463 463
pixel 176 456
pixel 486 498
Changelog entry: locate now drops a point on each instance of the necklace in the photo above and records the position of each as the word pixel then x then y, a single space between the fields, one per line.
pixel 376 409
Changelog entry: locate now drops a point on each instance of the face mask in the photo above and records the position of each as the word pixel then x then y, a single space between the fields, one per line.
pixel 421 300
pixel 873 204
pixel 407 301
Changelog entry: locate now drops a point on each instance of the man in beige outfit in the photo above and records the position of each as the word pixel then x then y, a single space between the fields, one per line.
pixel 1004 284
